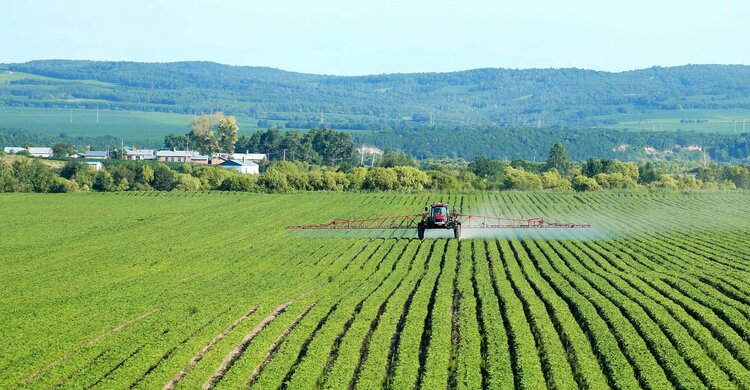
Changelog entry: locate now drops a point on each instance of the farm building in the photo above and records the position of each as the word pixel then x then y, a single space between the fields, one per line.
pixel 95 164
pixel 176 155
pixel 254 157
pixel 205 160
pixel 142 154
pixel 13 149
pixel 96 154
pixel 246 167
pixel 40 152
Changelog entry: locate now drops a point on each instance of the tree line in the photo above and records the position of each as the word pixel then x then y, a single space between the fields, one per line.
pixel 217 133
pixel 396 171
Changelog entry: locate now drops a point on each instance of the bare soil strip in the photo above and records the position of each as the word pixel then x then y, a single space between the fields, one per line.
pixel 91 342
pixel 169 353
pixel 197 358
pixel 237 352
pixel 276 344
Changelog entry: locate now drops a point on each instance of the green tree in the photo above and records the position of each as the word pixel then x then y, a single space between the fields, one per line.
pixel 202 134
pixel 442 181
pixel 61 185
pixel 274 180
pixel 164 179
pixel 647 173
pixel 558 159
pixel 665 181
pixel 615 181
pixel 584 183
pixel 226 131
pixel 491 172
pixel 332 146
pixel 518 179
pixel 72 168
pixel 32 175
pixel 116 152
pixel 173 141
pixel 144 174
pixel 244 183
pixel 396 158
pixel 103 181
pixel 8 182
pixel 357 178
pixel 210 177
pixel 269 142
pixel 552 180
pixel 740 176
pixel 185 182
pixel 380 179
pixel 410 178
pixel 62 149
pixel 85 179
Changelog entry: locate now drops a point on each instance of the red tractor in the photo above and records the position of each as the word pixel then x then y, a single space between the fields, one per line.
pixel 437 216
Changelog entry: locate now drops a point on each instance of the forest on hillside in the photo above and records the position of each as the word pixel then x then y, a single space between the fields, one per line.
pixel 504 97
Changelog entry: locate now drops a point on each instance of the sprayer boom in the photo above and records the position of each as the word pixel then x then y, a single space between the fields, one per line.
pixel 438 216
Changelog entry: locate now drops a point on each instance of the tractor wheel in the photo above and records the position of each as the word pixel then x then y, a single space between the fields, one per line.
pixel 420 232
pixel 457 231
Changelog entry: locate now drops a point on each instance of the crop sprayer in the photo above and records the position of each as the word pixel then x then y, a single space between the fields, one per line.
pixel 438 216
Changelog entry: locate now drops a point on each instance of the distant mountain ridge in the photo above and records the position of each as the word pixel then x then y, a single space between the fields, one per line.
pixel 504 97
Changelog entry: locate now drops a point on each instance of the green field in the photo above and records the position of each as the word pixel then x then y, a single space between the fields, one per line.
pixel 131 125
pixel 708 121
pixel 190 290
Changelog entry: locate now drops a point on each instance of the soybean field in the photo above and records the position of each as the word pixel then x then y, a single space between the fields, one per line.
pixel 209 290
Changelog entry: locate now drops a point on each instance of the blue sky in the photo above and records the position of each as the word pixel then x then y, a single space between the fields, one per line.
pixel 372 37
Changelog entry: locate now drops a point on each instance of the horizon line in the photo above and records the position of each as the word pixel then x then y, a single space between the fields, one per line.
pixel 379 74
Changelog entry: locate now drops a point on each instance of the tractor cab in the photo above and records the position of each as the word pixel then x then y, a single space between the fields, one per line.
pixel 438 216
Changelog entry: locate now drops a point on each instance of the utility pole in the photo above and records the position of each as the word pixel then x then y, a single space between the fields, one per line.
pixel 284 154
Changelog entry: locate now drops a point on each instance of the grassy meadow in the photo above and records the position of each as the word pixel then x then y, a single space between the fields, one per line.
pixel 138 125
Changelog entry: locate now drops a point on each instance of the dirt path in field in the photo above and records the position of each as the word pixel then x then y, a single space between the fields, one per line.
pixel 279 340
pixel 237 352
pixel 91 342
pixel 198 356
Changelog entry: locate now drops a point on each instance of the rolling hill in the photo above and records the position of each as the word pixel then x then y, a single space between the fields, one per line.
pixel 691 94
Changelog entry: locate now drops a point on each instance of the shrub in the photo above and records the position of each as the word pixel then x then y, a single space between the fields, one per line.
pixel 244 183
pixel 519 179
pixel 583 183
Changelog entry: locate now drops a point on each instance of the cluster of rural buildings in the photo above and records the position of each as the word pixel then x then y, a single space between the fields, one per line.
pixel 246 163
